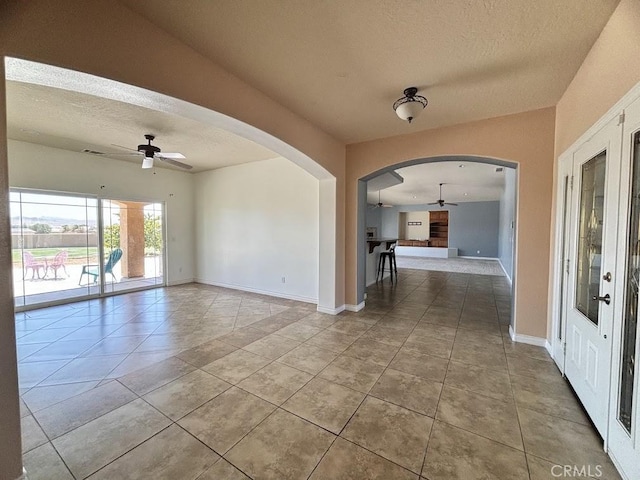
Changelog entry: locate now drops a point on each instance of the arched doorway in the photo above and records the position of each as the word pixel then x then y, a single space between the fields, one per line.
pixel 64 79
pixel 362 206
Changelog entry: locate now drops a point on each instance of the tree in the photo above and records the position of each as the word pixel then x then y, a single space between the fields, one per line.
pixel 152 234
pixel 111 237
pixel 41 228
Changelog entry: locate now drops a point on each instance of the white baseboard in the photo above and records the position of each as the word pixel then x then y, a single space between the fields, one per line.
pixel 479 258
pixel 23 476
pixel 505 271
pixel 354 308
pixel 259 291
pixel 173 283
pixel 332 311
pixel 528 339
pixel 549 348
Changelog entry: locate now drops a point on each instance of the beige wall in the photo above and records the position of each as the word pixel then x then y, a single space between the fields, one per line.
pixel 609 71
pixel 525 138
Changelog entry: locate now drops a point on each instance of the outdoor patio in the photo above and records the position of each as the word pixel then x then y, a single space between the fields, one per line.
pixel 36 289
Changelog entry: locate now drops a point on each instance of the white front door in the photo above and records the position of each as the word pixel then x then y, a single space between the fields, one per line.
pixel 624 419
pixel 592 276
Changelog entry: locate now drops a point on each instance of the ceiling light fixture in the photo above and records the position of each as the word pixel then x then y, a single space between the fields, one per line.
pixel 410 106
pixel 147 162
pixel 461 165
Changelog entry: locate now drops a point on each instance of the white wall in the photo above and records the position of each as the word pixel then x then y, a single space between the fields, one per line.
pixel 257 223
pixel 506 227
pixel 38 167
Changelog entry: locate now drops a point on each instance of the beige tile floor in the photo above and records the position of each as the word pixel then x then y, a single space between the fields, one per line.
pixel 197 382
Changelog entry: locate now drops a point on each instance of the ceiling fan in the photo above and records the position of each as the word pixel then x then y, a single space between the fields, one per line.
pixel 380 204
pixel 150 153
pixel 440 201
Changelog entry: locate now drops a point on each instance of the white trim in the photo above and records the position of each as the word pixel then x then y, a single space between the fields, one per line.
pixel 478 258
pixel 257 290
pixel 354 308
pixel 505 272
pixel 183 281
pixel 549 348
pixel 24 475
pixel 332 311
pixel 528 339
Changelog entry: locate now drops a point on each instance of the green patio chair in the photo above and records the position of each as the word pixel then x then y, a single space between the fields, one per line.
pixel 94 270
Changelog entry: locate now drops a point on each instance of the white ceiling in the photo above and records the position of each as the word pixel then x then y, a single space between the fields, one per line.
pixel 342 63
pixel 75 121
pixel 473 182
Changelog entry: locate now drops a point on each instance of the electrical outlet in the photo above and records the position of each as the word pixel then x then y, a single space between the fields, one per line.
pixel 283 280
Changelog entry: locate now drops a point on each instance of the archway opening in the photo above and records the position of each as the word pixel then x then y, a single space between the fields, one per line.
pixel 480 229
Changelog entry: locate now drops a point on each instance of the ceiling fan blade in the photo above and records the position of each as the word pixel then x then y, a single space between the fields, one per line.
pixel 454 204
pixel 126 148
pixel 175 156
pixel 175 163
pixel 120 154
pixel 386 206
pixel 434 203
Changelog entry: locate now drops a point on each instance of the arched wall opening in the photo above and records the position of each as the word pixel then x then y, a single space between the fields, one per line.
pixel 525 139
pixel 362 206
pixel 109 40
pixel 49 76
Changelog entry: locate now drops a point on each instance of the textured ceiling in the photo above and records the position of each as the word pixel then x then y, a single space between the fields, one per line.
pixel 75 121
pixel 473 182
pixel 342 63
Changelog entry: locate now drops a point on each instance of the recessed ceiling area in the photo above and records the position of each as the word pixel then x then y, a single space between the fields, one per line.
pixel 341 64
pixel 76 121
pixel 463 182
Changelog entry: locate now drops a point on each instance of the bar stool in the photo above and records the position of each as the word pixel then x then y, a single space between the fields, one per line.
pixel 393 266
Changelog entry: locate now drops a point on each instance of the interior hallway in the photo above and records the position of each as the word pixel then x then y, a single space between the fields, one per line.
pixel 202 382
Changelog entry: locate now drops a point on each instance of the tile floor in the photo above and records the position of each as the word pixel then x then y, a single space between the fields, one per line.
pixel 198 382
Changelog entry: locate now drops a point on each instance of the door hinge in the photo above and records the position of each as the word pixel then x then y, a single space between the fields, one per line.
pixel 571 182
pixel 564 348
pixel 567 266
pixel 621 118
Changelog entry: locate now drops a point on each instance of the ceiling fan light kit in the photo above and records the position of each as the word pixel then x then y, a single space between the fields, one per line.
pixel 147 162
pixel 411 105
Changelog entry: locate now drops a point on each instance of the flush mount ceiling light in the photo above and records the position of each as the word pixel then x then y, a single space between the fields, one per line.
pixel 410 106
pixel 147 162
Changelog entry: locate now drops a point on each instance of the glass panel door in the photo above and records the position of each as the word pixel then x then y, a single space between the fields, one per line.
pixel 630 325
pixel 590 236
pixel 53 237
pixel 133 244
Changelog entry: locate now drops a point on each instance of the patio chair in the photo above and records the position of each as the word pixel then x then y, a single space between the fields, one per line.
pixel 58 263
pixel 29 262
pixel 94 270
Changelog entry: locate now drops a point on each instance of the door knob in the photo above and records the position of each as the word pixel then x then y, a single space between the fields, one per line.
pixel 606 299
pixel 607 276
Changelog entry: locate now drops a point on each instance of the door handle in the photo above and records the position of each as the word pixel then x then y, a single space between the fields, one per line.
pixel 607 276
pixel 606 299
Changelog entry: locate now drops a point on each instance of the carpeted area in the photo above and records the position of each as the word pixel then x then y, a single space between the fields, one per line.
pixel 458 265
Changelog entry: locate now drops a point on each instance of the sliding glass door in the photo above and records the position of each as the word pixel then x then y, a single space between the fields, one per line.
pixel 133 242
pixel 66 246
pixel 52 236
